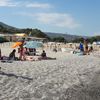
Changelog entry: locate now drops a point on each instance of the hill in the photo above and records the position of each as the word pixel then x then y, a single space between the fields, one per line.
pixel 7 28
pixel 35 32
pixel 3 25
pixel 68 37
pixel 4 28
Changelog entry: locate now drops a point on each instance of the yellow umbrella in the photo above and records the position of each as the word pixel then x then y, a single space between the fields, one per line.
pixel 16 44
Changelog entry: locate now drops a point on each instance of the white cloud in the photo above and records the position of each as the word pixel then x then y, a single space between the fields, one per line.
pixel 7 3
pixel 54 19
pixel 38 5
pixel 57 19
pixel 11 3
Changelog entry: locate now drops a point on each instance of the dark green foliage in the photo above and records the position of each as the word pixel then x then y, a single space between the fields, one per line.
pixel 38 33
pixel 29 31
pixel 8 29
pixel 77 40
pixel 90 39
pixel 59 39
pixel 34 33
pixel 94 39
pixel 51 37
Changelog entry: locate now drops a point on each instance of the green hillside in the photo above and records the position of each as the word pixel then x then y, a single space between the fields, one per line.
pixel 4 28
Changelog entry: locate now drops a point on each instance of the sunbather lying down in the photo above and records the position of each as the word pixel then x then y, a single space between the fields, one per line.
pixel 37 58
pixel 32 58
pixel 41 57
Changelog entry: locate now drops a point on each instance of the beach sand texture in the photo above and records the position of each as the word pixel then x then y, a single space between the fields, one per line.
pixel 69 77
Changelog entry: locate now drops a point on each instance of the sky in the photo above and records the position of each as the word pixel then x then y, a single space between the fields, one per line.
pixel 77 17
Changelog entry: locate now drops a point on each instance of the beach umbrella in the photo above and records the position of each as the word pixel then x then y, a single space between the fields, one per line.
pixel 33 44
pixel 16 44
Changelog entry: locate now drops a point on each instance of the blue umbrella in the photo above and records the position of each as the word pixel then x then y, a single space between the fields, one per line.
pixel 33 44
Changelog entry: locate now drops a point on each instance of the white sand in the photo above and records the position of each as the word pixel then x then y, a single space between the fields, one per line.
pixel 70 77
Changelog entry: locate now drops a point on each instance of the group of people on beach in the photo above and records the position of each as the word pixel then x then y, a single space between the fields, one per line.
pixel 85 49
pixel 24 55
pixel 29 54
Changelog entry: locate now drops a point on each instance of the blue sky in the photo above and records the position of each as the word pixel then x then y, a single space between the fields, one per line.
pixel 79 17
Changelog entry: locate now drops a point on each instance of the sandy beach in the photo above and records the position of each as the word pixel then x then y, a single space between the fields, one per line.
pixel 69 77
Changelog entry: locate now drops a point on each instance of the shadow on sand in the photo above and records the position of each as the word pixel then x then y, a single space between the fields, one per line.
pixel 13 75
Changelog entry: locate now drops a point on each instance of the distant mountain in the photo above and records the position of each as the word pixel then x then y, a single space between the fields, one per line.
pixel 4 28
pixel 3 25
pixel 68 37
pixel 9 29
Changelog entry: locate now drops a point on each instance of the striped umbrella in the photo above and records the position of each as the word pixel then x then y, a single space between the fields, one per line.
pixel 33 44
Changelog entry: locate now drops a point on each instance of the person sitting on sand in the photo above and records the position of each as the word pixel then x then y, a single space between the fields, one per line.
pixel 34 50
pixel 12 55
pixel 44 56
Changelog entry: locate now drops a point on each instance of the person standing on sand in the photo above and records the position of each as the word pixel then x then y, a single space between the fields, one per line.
pixel 86 47
pixel 21 54
pixel 81 47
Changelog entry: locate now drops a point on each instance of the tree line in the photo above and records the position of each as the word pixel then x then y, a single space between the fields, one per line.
pixel 40 34
pixel 90 39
